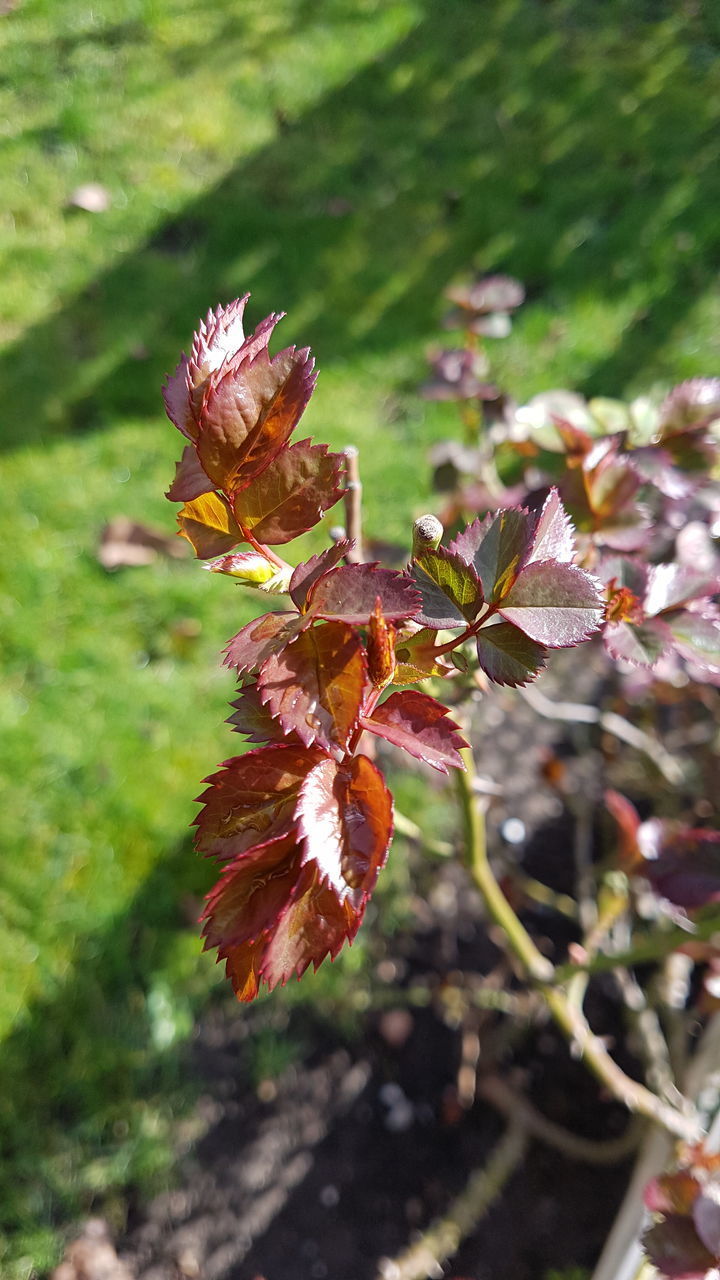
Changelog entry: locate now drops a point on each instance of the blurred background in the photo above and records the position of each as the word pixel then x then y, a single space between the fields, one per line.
pixel 344 161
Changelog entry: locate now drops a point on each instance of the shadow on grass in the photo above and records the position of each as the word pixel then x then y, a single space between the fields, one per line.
pixel 574 145
pixel 92 1079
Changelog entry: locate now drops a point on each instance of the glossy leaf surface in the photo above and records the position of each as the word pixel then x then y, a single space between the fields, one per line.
pixel 292 494
pixel 558 605
pixel 345 818
pixel 450 589
pixel 350 592
pixel 251 800
pixel 314 685
pixel 209 526
pixel 306 574
pixel 254 643
pixel 421 726
pixel 249 413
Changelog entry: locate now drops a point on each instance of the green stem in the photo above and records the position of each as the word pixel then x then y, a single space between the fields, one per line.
pixel 569 1018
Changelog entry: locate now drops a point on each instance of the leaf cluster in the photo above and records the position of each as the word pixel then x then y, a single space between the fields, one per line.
pixel 302 822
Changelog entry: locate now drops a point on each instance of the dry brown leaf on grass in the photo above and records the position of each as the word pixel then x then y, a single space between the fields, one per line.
pixel 92 1256
pixel 126 543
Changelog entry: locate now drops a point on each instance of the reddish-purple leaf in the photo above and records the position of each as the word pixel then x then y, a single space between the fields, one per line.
pixel 694 403
pixel 641 645
pixel 292 494
pixel 219 338
pixel 314 686
pixel 309 923
pixel 696 636
pixel 672 1192
pixel 350 592
pixel 706 1216
pixel 255 642
pixel 209 526
pixel 251 800
pixel 190 480
pixel 253 719
pixel 677 1251
pixel 305 575
pixel 252 892
pixel 421 726
pixel 345 817
pixel 508 656
pixel 316 925
pixel 248 413
pixel 451 591
pixel 497 548
pixel 685 864
pixel 554 536
pixel 557 605
pixel 672 585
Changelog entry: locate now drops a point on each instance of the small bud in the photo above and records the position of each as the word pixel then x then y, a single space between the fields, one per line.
pixel 253 570
pixel 380 648
pixel 427 534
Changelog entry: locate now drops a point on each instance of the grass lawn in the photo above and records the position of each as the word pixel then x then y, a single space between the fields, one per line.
pixel 343 161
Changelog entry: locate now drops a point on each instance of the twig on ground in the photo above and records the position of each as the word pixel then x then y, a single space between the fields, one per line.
pixel 510 1103
pixel 441 1241
pixel 611 722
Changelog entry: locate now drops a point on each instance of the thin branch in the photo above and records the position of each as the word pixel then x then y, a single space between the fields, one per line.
pixel 353 506
pixel 611 722
pixel 645 950
pixel 442 1240
pixel 510 1103
pixel 570 1019
pixel 405 826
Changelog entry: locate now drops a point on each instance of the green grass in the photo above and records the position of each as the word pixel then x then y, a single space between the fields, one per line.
pixel 343 162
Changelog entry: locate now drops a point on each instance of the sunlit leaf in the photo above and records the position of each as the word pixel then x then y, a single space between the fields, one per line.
pixel 641 645
pixel 252 891
pixel 554 536
pixel 251 799
pixel 306 574
pixel 508 656
pixel 416 657
pixel 345 818
pixel 292 494
pixel 497 547
pixel 349 594
pixel 209 526
pixel 450 588
pixel 190 480
pixel 255 642
pixel 249 412
pixel 314 686
pixel 254 720
pixel 557 605
pixel 421 726
pixel 696 637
